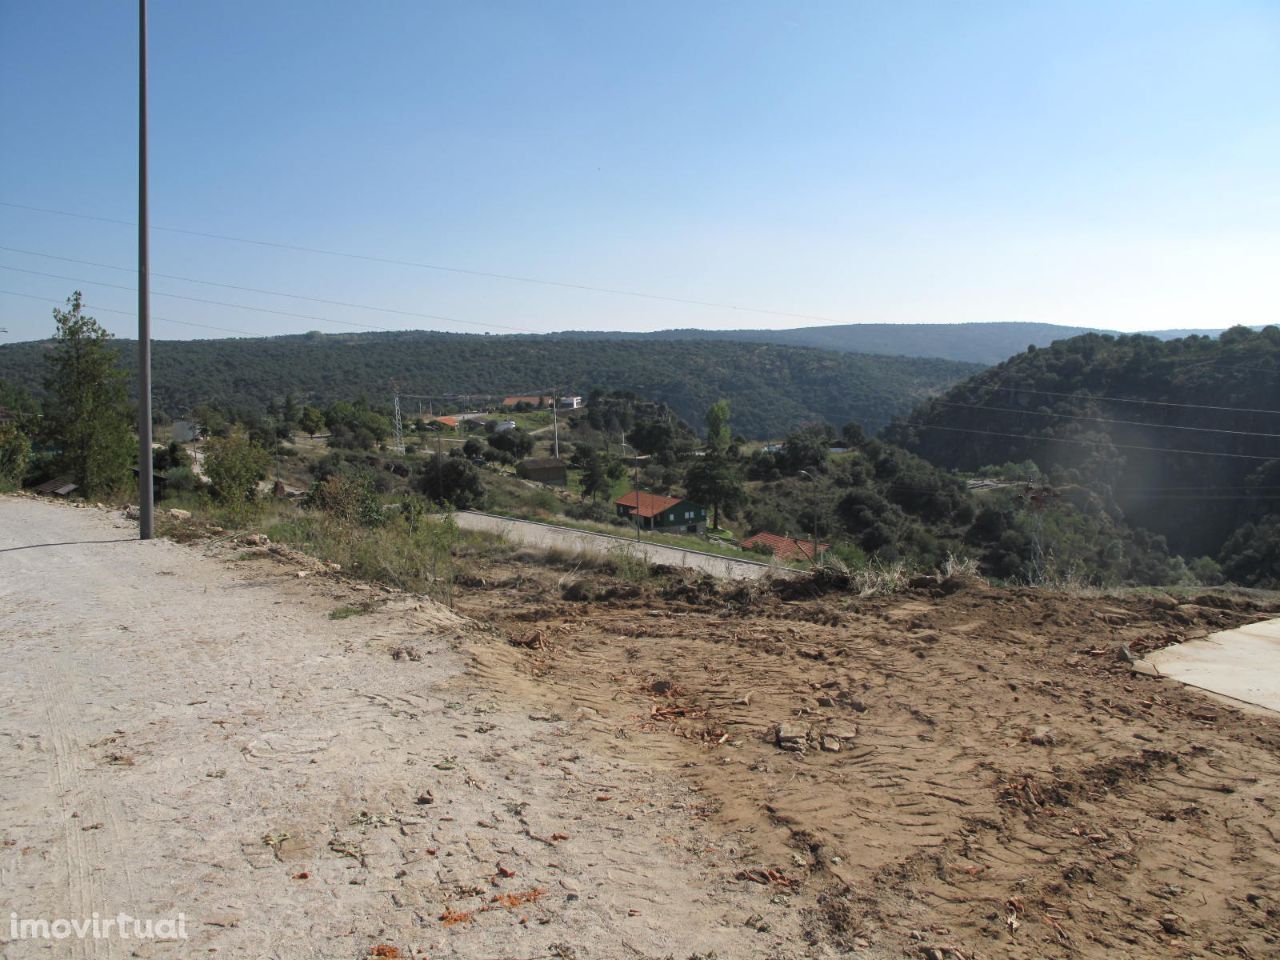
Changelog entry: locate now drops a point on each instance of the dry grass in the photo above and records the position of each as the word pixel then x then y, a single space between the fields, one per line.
pixel 963 567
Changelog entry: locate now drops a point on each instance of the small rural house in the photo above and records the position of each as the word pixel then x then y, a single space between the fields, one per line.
pixel 570 403
pixel 785 548
pixel 651 511
pixel 509 402
pixel 549 470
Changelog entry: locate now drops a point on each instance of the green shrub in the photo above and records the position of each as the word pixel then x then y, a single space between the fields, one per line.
pixel 235 465
pixel 349 497
pixel 181 480
pixel 15 455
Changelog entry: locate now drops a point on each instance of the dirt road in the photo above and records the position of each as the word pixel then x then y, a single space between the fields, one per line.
pixel 192 735
pixel 545 535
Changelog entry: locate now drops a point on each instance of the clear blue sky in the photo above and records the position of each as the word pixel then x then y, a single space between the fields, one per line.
pixel 1111 164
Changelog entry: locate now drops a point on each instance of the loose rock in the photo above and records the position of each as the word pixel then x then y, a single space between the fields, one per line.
pixel 790 736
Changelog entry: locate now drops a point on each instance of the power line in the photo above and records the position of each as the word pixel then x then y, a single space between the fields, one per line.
pixel 1203 498
pixel 514 278
pixel 216 303
pixel 1157 403
pixel 177 296
pixel 1122 446
pixel 278 293
pixel 133 313
pixel 1130 423
pixel 1202 489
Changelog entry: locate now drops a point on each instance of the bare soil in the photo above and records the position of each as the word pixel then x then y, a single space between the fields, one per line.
pixel 970 772
pixel 574 766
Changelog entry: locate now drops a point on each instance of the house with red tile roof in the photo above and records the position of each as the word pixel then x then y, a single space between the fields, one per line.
pixel 785 548
pixel 652 511
pixel 509 402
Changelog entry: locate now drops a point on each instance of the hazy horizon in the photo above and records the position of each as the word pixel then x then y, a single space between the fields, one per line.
pixel 754 165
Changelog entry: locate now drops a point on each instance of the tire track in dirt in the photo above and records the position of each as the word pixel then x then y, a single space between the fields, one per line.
pixel 1150 829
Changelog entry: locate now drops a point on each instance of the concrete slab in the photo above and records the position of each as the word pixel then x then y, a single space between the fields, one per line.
pixel 1243 664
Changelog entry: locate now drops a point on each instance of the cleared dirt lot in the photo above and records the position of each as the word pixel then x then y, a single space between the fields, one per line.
pixel 962 772
pixel 982 774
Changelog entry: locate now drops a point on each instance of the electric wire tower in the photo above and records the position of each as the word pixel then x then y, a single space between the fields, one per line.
pixel 398 446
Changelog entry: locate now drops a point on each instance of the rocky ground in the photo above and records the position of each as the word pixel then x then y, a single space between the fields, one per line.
pixel 568 765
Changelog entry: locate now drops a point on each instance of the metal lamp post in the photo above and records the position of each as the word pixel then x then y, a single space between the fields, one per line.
pixel 146 492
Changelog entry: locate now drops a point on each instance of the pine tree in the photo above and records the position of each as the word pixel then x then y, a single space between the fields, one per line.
pixel 87 420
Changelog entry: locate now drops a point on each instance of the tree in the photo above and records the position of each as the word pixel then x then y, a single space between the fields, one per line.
pixel 807 448
pixel 653 438
pixel 234 465
pixel 213 422
pixel 15 453
pixel 291 412
pixel 852 435
pixel 599 473
pixel 1251 555
pixel 514 441
pixel 88 420
pixel 715 480
pixel 311 420
pixel 718 434
pixel 451 480
pixel 167 458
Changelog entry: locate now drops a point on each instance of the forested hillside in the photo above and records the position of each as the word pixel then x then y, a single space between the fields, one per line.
pixel 984 343
pixel 771 388
pixel 1182 437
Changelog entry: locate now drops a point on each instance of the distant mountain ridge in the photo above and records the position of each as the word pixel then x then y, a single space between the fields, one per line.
pixel 985 343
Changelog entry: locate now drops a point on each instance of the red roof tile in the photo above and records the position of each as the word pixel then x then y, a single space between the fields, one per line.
pixel 785 548
pixel 646 504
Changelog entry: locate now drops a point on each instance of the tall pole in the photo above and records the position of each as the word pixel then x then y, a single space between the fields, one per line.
pixel 146 519
pixel 555 423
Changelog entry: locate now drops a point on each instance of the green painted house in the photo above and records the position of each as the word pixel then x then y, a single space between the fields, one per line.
pixel 651 511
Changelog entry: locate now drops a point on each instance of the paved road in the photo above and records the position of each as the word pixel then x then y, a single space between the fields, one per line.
pixel 545 535
pixel 1243 664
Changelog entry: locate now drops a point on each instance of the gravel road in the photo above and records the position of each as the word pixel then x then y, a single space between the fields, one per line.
pixel 545 535
pixel 194 735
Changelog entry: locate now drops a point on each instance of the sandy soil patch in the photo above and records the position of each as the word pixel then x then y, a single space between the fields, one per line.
pixel 187 733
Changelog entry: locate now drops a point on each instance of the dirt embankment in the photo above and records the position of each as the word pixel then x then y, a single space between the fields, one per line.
pixel 957 771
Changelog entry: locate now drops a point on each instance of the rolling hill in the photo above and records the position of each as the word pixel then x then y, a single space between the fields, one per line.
pixel 984 343
pixel 1182 436
pixel 771 388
